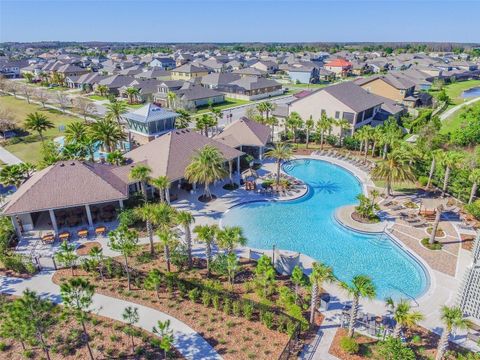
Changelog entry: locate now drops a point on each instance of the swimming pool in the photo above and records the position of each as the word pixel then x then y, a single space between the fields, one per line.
pixel 307 225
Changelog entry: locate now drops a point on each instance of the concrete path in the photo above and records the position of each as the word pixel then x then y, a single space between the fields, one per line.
pixel 186 340
pixel 8 158
pixel 451 111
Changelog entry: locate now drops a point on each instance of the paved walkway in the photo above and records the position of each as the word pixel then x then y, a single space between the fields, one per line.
pixel 8 158
pixel 451 111
pixel 186 340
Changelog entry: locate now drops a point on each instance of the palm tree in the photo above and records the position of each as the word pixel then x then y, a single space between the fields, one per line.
pixel 115 110
pixel 206 234
pixel 376 138
pixel 394 169
pixel 362 136
pixel 309 125
pixel 141 174
pixel 361 286
pixel 168 238
pixel 281 152
pixel 343 124
pixel 268 107
pixel 186 219
pixel 12 175
pixel 77 296
pixel 107 132
pixel 438 216
pixel 437 155
pixel 231 236
pixel 320 273
pixel 294 121
pixel 369 135
pixel 132 94
pixel 324 125
pixel 171 97
pixel 452 318
pixel 102 90
pixel 206 167
pixel 391 134
pixel 403 315
pixel 148 213
pixel 39 123
pixel 204 122
pixel 451 160
pixel 474 178
pixel 116 158
pixel 183 120
pixel 76 132
pixel 162 184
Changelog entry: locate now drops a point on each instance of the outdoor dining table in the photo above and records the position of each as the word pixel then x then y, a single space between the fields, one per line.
pixel 83 233
pixel 100 230
pixel 64 235
pixel 48 238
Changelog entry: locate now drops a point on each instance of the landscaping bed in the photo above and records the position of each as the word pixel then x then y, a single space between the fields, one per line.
pixel 108 339
pixel 435 246
pixel 84 249
pixel 227 330
pixel 361 219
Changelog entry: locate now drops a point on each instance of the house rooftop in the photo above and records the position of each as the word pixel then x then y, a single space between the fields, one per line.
pixel 149 113
pixel 245 132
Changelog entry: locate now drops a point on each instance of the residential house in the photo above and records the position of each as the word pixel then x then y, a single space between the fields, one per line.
pixel 164 63
pixel 10 69
pixel 149 122
pixel 114 83
pixel 302 73
pixel 154 73
pixel 191 96
pixel 146 89
pixel 85 81
pixel 242 87
pixel 345 100
pixel 267 66
pixel 391 86
pixel 161 96
pixel 183 59
pixel 188 71
pixel 214 65
pixel 339 66
pixel 250 71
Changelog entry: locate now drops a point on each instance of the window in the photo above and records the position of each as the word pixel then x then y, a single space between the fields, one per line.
pixel 349 117
pixel 337 114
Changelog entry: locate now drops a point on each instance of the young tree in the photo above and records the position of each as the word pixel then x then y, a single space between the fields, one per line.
pixel 206 234
pixel 162 184
pixel 27 91
pixel 96 256
pixel 403 315
pixel 452 160
pixel 148 214
pixel 153 281
pixel 230 237
pixel 361 286
pixel 62 100
pixel 42 96
pixel 452 318
pixel 168 239
pixel 265 275
pixel 474 178
pixel 232 267
pixel 39 123
pixel 124 241
pixel 186 219
pixel 14 325
pixel 77 296
pixel 166 335
pixel 309 125
pixel 131 317
pixel 394 349
pixel 320 274
pixel 280 152
pixel 66 256
pixel 84 107
pixel 297 279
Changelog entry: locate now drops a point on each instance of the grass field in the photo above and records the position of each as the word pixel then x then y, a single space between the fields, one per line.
pixel 97 97
pixel 455 121
pixel 31 152
pixel 229 103
pixel 305 86
pixel 455 90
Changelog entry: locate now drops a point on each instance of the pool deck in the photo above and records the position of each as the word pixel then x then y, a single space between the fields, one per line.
pixel 445 267
pixel 344 216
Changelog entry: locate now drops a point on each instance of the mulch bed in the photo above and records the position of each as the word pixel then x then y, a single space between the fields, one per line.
pixel 84 249
pixel 467 242
pixel 107 339
pixel 357 217
pixel 10 273
pixel 232 337
pixel 337 351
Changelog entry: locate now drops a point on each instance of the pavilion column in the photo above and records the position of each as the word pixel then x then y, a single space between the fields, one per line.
pixel 16 225
pixel 260 155
pixel 167 194
pixel 230 170
pixel 53 220
pixel 121 204
pixel 238 165
pixel 89 216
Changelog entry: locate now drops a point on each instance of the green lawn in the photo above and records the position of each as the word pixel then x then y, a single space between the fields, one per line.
pixel 31 152
pixel 97 97
pixel 406 187
pixel 455 90
pixel 229 103
pixel 455 120
pixel 305 86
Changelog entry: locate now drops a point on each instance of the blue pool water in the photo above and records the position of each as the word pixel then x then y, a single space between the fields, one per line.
pixel 307 225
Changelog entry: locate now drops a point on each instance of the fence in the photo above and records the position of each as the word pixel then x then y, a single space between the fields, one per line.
pixel 290 348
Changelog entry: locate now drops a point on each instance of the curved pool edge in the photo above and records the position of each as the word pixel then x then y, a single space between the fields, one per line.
pixel 428 273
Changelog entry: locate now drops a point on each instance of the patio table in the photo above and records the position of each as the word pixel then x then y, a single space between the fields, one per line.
pixel 48 238
pixel 100 230
pixel 83 233
pixel 64 236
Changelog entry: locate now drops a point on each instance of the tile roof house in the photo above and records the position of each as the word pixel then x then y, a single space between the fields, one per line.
pixel 339 66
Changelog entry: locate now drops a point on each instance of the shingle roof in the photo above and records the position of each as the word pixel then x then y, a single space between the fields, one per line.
pixel 67 184
pixel 397 81
pixel 170 154
pixel 190 68
pixel 196 92
pixel 244 132
pixel 148 113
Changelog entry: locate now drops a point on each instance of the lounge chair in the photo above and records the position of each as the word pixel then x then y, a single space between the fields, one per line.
pixel 397 207
pixel 420 223
pixel 413 220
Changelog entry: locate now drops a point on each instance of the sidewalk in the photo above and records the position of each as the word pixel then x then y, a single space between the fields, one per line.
pixel 8 158
pixel 454 109
pixel 186 340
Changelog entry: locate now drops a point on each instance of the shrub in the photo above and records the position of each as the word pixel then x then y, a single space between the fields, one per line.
pixel 194 295
pixel 3 346
pixel 206 298
pixel 474 209
pixel 351 143
pixel 435 246
pixel 18 264
pixel 227 306
pixel 393 348
pixel 331 140
pixel 247 310
pixel 349 345
pixel 267 319
pixel 423 180
pixel 216 302
pixel 236 308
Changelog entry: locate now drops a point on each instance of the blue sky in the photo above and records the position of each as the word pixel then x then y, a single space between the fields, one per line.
pixel 240 20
